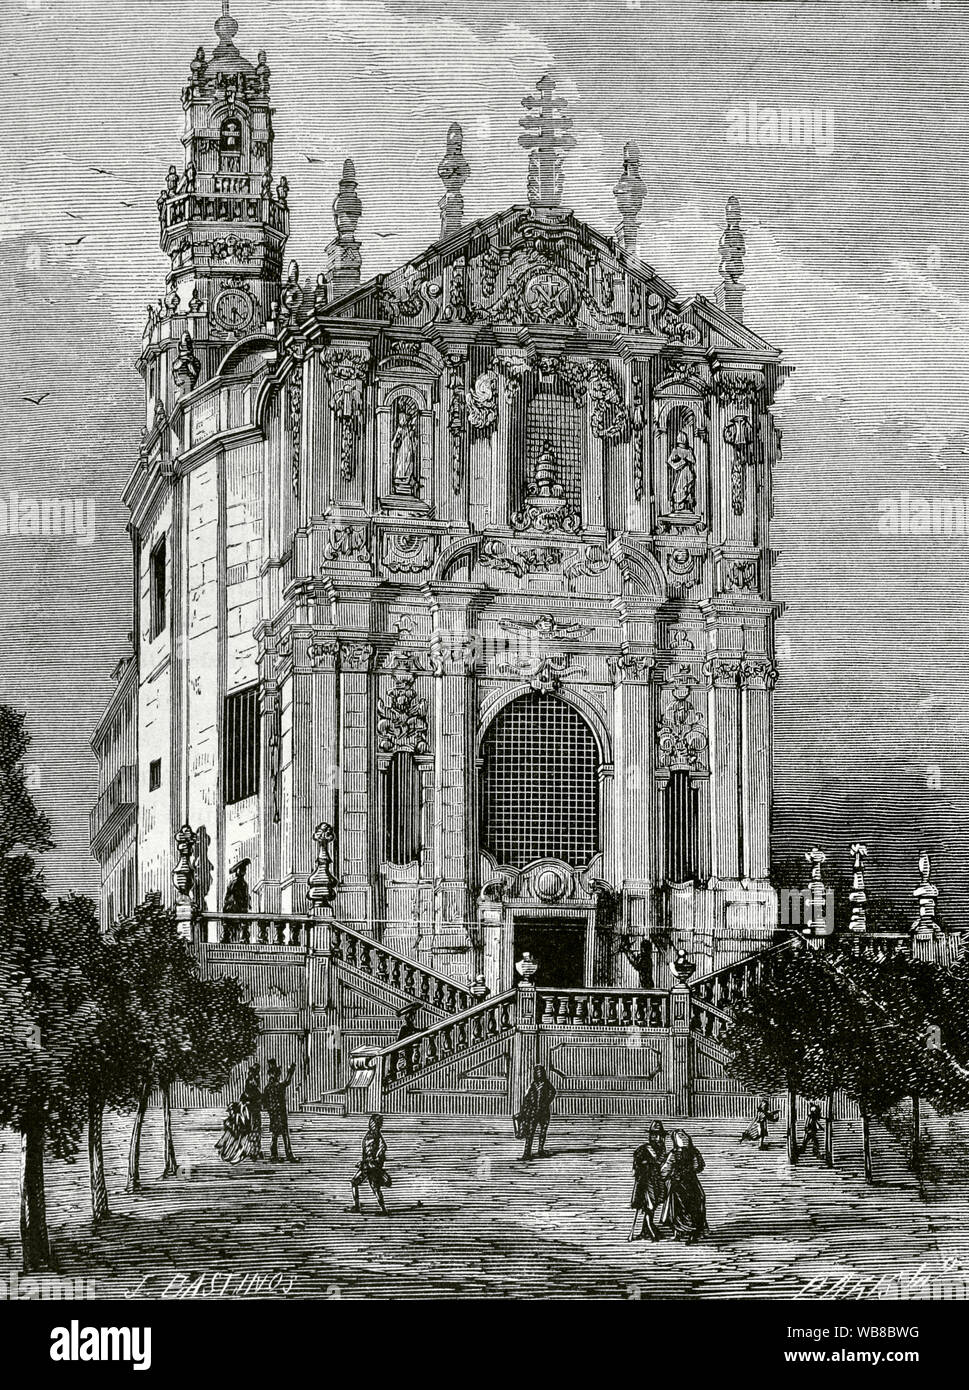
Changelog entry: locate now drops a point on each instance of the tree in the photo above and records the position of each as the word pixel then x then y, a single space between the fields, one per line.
pixel 178 1026
pixel 108 1078
pixel 783 1033
pixel 48 1019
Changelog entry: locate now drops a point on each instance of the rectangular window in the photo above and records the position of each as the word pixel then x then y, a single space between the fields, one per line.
pixel 154 775
pixel 240 745
pixel 158 587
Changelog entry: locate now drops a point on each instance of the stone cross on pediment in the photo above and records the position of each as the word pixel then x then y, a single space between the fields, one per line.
pixel 546 138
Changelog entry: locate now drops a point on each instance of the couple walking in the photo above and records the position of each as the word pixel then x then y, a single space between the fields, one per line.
pixel 242 1129
pixel 667 1190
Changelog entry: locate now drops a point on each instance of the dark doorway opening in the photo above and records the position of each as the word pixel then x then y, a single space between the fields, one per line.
pixel 557 945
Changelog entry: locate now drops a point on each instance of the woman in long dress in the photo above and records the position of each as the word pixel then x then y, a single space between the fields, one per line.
pixel 230 1145
pixel 684 1202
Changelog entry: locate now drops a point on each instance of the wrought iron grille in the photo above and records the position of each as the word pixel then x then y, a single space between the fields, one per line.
pixel 540 784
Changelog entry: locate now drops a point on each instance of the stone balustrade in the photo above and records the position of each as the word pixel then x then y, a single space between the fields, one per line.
pixel 256 929
pixel 603 1008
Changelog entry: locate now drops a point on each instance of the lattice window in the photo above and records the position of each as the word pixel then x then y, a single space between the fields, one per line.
pixel 682 840
pixel 552 417
pixel 402 810
pixel 240 745
pixel 540 784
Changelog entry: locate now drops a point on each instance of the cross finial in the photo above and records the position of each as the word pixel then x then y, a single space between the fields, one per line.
pixel 453 172
pixel 858 897
pixel 629 193
pixel 816 857
pixel 546 138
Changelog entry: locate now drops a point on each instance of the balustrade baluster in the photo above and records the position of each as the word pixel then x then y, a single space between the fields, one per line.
pixel 595 1010
pixel 708 1022
pixel 581 1008
pixel 655 1014
pixel 548 1003
pixel 432 1052
pixel 562 1012
pixel 608 1010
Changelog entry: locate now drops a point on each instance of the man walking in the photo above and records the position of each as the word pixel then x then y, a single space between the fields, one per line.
pixel 535 1113
pixel 274 1099
pixel 759 1130
pixel 370 1169
pixel 812 1132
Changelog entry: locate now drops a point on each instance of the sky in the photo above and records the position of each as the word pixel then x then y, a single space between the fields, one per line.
pixel 857 266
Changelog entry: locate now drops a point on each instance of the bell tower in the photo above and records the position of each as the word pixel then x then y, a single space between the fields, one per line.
pixel 224 219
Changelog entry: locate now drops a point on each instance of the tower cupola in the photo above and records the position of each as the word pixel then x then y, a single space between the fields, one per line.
pixel 225 216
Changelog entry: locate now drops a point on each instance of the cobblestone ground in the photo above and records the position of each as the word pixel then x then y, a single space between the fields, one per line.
pixel 469 1220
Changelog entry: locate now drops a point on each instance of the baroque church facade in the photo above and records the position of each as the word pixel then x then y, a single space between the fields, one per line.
pixel 452 585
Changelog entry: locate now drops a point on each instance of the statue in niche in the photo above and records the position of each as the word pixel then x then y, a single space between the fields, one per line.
pixel 681 476
pixel 405 463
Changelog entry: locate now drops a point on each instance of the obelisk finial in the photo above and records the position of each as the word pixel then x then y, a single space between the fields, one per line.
pixel 730 293
pixel 546 138
pixel 629 194
pixel 858 897
pixel 453 172
pixel 343 253
pixel 925 895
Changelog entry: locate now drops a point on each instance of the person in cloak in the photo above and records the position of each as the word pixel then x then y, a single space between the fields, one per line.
pixel 684 1207
pixel 252 1100
pixel 237 894
pixel 408 1023
pixel 648 1191
pixel 536 1113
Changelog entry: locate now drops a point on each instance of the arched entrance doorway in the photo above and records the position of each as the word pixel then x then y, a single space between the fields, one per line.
pixel 540 801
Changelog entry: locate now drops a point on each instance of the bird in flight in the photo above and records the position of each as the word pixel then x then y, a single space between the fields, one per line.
pixel 73 216
pixel 95 169
pixel 383 235
pixel 127 205
pixel 312 159
pixel 37 400
pixel 76 243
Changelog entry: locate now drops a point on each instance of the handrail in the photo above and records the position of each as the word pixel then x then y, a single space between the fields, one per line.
pixel 389 967
pixel 405 1057
pixel 746 960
